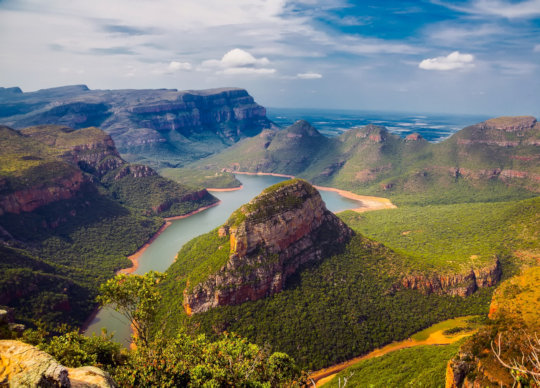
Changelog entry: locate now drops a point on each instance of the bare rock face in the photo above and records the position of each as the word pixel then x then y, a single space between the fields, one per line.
pixel 285 227
pixel 32 198
pixel 24 365
pixel 462 284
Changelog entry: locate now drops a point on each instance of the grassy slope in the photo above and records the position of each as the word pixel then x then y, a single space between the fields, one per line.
pixel 453 237
pixel 422 366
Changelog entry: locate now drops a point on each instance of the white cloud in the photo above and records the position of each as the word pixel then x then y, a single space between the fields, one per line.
pixel 239 58
pixel 528 9
pixel 452 61
pixel 308 75
pixel 536 48
pixel 238 61
pixel 175 66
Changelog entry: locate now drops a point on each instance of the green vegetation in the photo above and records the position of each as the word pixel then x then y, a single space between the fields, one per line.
pixel 66 248
pixel 448 327
pixel 511 330
pixel 198 178
pixel 421 366
pixel 454 236
pixel 343 307
pixel 155 195
pixel 464 168
pixel 184 360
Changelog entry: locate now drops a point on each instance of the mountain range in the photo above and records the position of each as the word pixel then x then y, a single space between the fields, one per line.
pixel 159 127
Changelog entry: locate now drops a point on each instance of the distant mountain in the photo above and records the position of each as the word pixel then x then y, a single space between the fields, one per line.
pixel 162 127
pixel 496 159
pixel 71 210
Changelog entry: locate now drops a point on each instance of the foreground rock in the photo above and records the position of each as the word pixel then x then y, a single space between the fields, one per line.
pixel 24 365
pixel 285 227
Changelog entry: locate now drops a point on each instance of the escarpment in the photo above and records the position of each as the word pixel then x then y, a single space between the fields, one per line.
pixel 158 127
pixel 285 227
pixel 461 283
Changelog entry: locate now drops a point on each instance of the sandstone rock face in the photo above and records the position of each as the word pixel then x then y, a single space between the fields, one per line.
pixel 285 227
pixel 462 284
pixel 24 365
pixel 34 197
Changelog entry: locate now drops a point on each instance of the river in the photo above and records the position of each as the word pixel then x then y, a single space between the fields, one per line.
pixel 161 253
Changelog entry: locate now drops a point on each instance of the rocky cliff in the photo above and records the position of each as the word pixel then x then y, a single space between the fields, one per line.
pixel 48 163
pixel 24 365
pixel 270 238
pixel 158 126
pixel 462 284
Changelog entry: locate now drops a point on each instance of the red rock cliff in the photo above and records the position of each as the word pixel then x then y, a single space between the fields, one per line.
pixel 285 227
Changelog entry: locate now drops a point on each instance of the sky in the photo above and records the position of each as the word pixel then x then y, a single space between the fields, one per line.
pixel 466 56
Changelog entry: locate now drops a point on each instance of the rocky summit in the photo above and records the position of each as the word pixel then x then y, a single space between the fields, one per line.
pixel 270 238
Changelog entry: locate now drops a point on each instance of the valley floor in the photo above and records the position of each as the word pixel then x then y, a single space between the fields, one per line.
pixel 433 335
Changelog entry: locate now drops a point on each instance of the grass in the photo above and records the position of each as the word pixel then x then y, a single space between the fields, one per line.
pixel 200 178
pixel 421 366
pixel 467 322
pixel 454 237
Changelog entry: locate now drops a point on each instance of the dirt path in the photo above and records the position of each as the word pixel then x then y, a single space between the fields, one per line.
pixel 323 376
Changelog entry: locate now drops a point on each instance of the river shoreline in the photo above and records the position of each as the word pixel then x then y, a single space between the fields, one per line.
pixel 226 189
pixel 369 203
pixel 134 258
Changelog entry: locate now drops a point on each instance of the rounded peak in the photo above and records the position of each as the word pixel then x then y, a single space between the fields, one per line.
pixel 278 198
pixel 303 127
pixel 295 184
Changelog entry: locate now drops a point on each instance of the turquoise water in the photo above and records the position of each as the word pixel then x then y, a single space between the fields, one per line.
pixel 161 253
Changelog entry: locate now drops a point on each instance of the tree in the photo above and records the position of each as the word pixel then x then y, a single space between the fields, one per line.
pixel 137 298
pixel 526 370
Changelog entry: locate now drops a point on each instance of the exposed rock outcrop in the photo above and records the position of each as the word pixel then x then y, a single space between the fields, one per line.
pixel 462 284
pixel 285 227
pixel 24 365
pixel 32 198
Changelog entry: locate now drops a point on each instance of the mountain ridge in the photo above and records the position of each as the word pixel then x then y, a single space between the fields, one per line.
pixel 160 127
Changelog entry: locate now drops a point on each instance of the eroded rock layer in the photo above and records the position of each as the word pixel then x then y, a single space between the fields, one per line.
pixel 285 227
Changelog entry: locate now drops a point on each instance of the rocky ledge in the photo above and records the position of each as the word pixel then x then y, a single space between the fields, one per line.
pixel 24 365
pixel 285 227
pixel 462 284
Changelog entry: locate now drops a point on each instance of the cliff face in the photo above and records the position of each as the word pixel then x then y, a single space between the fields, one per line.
pixel 285 227
pixel 167 126
pixel 462 284
pixel 34 197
